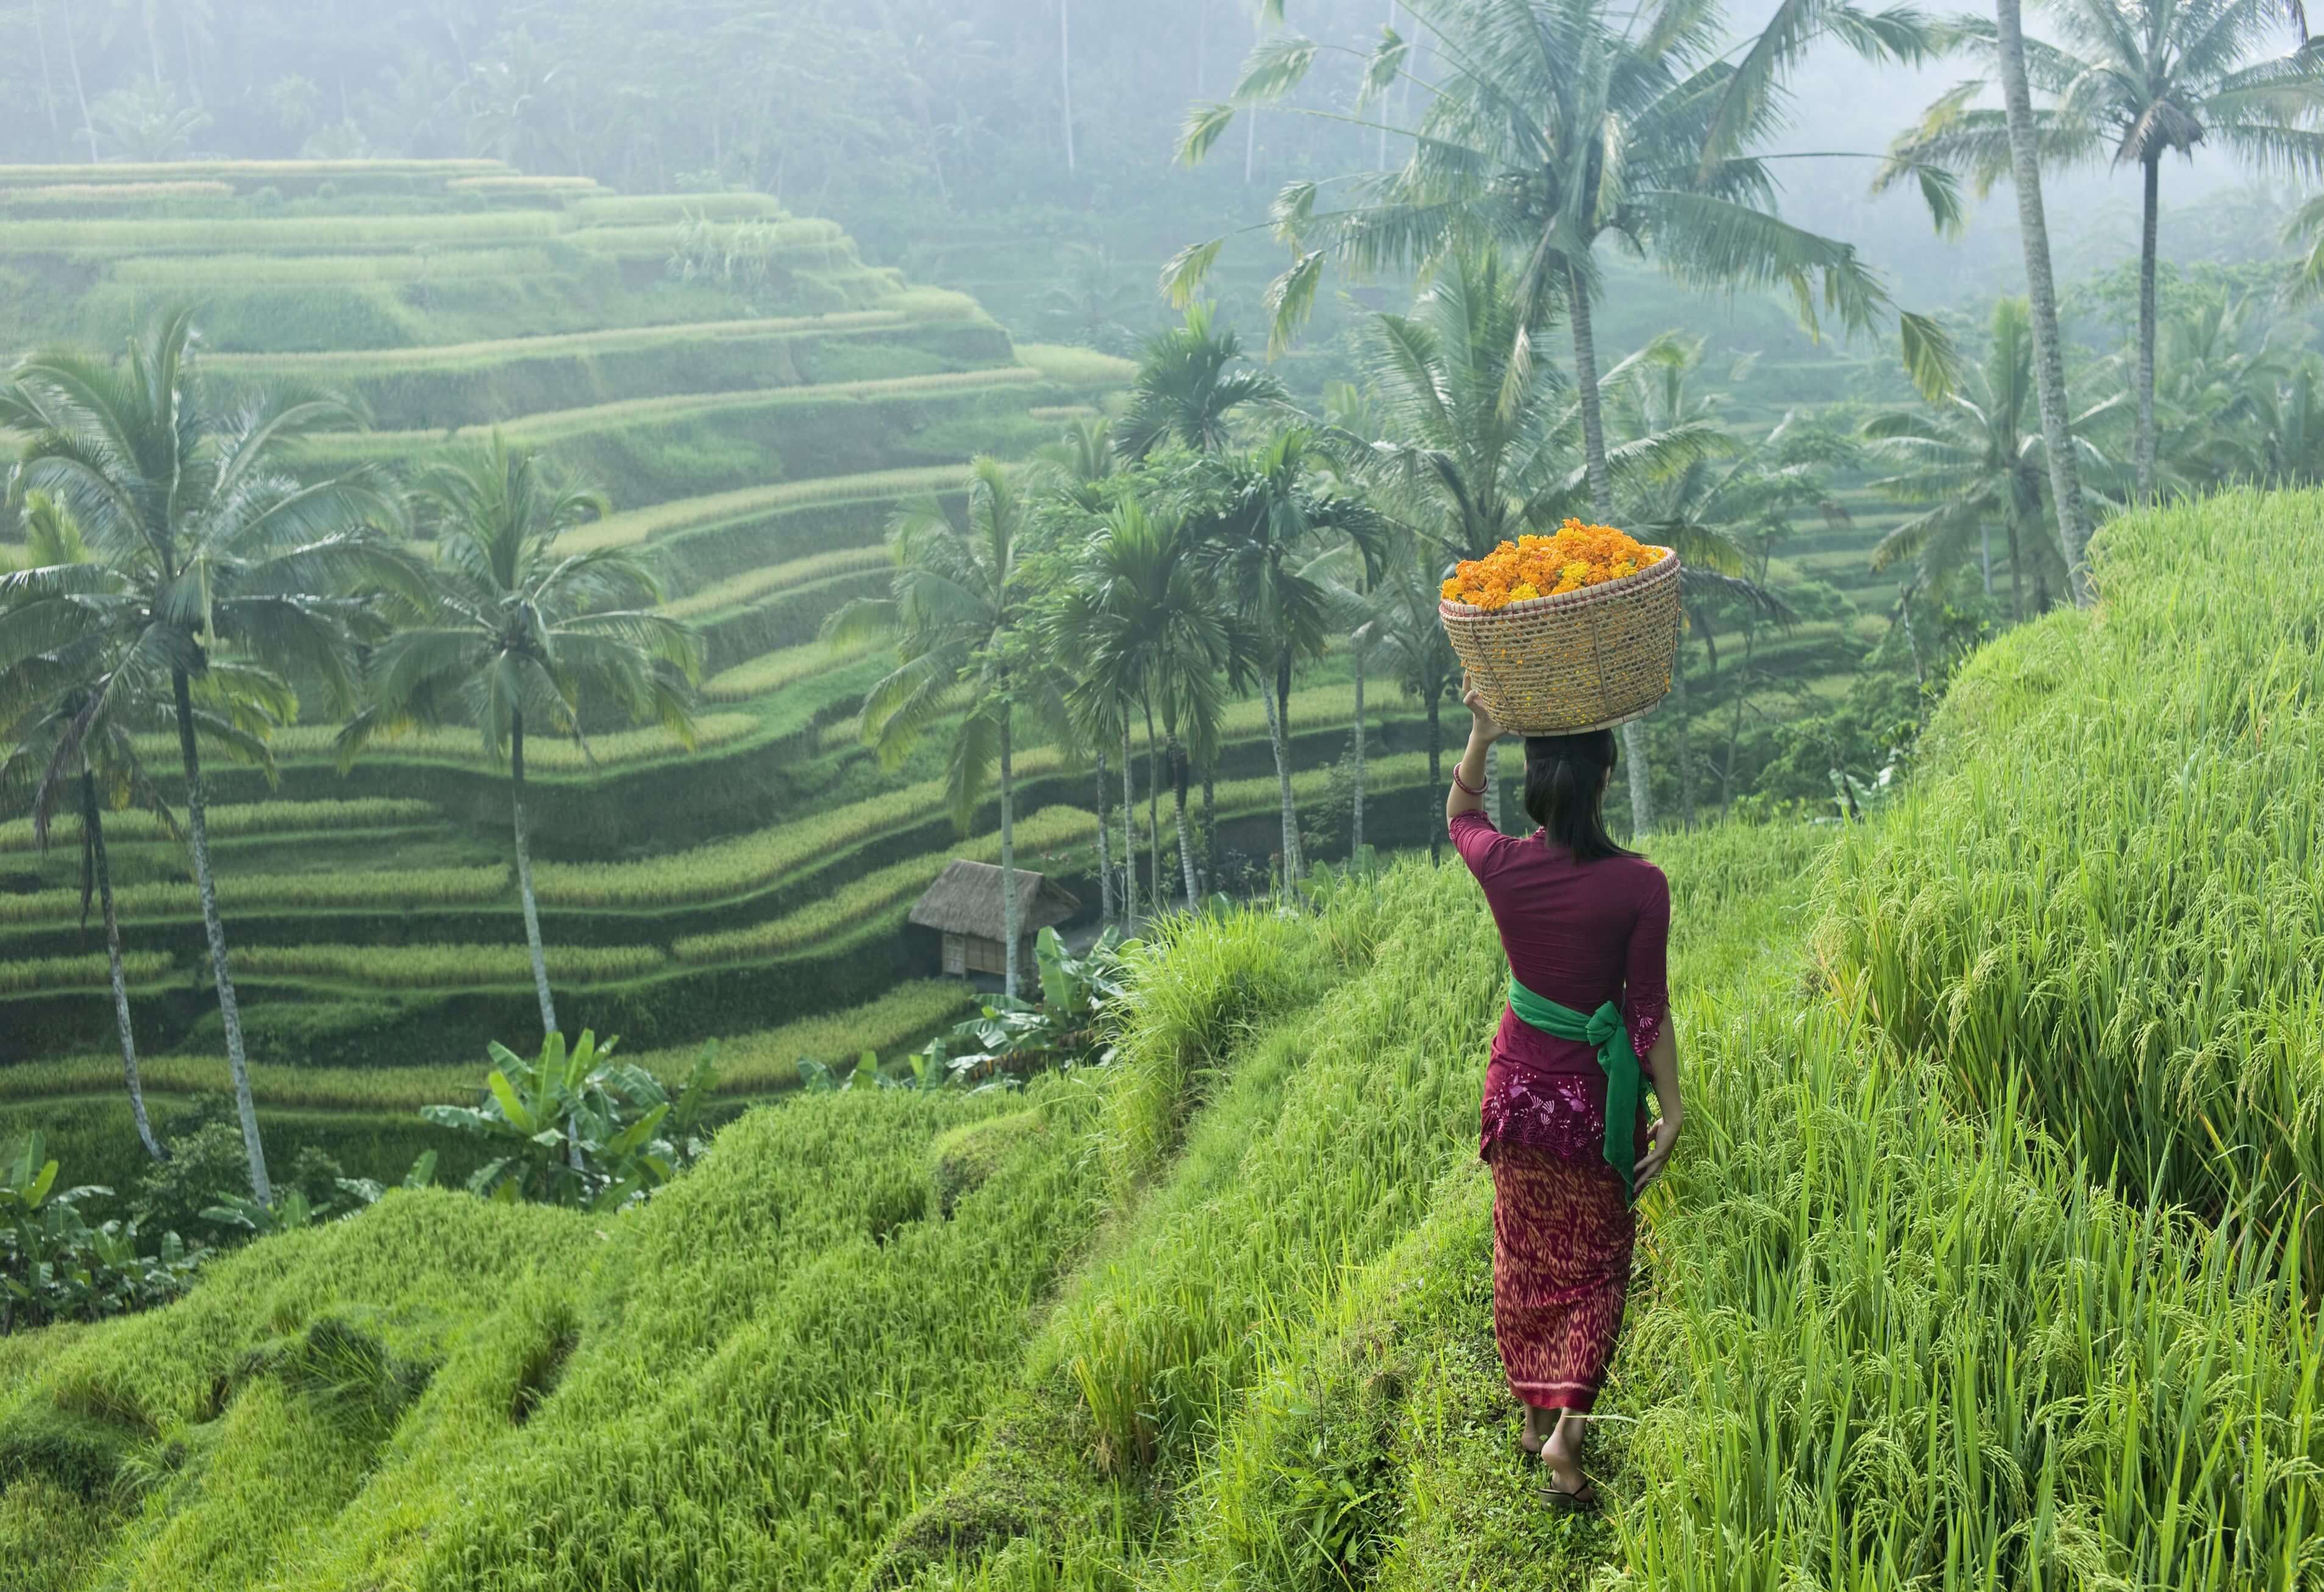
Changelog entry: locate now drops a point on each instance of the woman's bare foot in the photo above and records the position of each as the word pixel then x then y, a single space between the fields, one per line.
pixel 1537 1424
pixel 1561 1455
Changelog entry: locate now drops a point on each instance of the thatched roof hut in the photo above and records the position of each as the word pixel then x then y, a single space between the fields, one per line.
pixel 965 906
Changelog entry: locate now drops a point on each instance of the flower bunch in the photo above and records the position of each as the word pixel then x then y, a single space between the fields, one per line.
pixel 1531 566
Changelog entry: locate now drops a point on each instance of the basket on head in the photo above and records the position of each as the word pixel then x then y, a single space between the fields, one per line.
pixel 1586 660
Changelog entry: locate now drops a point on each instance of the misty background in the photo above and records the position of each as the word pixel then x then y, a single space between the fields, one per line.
pixel 912 122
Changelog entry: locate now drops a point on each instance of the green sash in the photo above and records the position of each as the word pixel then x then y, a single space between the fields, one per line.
pixel 1603 1031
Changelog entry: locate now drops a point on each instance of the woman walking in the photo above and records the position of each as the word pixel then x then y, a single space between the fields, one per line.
pixel 1586 927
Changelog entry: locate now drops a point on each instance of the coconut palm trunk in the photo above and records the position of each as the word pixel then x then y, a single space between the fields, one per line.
pixel 2042 292
pixel 1104 846
pixel 1153 810
pixel 198 829
pixel 1279 740
pixel 1601 506
pixel 80 89
pixel 1356 815
pixel 92 818
pixel 47 85
pixel 1008 866
pixel 1129 834
pixel 1685 741
pixel 1066 73
pixel 524 876
pixel 1436 774
pixel 2143 445
pixel 1210 826
pixel 1178 775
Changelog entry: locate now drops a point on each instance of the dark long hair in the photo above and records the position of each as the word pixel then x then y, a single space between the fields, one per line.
pixel 1565 788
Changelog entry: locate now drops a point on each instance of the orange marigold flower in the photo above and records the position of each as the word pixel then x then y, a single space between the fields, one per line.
pixel 1575 556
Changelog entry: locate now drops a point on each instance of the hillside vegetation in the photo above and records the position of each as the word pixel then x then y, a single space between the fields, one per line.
pixel 1217 1314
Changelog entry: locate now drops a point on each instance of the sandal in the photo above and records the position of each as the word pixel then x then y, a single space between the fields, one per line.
pixel 1581 1501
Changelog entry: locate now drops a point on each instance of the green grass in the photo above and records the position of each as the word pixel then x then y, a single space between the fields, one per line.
pixel 315 741
pixel 113 193
pixel 877 895
pixel 2120 929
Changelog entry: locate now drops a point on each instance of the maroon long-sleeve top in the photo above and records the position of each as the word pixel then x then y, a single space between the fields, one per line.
pixel 1581 934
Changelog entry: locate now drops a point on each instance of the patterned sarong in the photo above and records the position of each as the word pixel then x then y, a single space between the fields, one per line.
pixel 1561 1239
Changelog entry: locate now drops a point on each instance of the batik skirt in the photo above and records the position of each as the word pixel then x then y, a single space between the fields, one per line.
pixel 1562 1232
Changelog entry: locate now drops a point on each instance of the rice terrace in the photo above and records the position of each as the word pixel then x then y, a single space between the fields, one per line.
pixel 1050 796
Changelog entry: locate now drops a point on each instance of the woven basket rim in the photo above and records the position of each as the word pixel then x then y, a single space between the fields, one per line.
pixel 1660 569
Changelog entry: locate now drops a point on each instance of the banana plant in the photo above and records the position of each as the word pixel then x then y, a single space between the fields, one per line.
pixel 575 1127
pixel 55 1266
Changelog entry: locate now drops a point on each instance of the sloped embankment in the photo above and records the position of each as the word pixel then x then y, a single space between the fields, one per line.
pixel 1218 1315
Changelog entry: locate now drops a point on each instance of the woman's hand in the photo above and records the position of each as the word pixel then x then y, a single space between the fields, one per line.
pixel 1482 727
pixel 1659 1154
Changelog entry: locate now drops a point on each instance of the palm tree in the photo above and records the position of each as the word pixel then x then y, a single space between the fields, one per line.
pixel 1260 519
pixel 1975 461
pixel 513 636
pixel 2041 292
pixel 1188 385
pixel 218 562
pixel 1146 628
pixel 1707 492
pixel 1476 450
pixel 68 717
pixel 2134 82
pixel 958 607
pixel 1561 124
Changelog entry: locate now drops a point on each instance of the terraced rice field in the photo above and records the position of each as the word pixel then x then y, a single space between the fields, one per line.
pixel 754 427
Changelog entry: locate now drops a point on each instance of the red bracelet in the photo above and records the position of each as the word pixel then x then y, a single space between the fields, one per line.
pixel 1466 788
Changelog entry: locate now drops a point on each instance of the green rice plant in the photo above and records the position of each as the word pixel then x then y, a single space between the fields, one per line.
pixel 113 193
pixel 565 425
pixel 278 892
pixel 683 514
pixel 286 235
pixel 760 1061
pixel 736 866
pixel 876 897
pixel 186 274
pixel 483 355
pixel 776 577
pixel 446 967
pixel 241 818
pixel 574 186
pixel 247 172
pixel 803 240
pixel 1078 368
pixel 2101 894
pixel 771 671
pixel 316 743
pixel 78 972
pixel 664 209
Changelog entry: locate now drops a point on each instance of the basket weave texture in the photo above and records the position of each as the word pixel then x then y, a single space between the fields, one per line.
pixel 1587 660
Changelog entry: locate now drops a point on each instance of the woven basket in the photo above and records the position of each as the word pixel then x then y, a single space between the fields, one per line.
pixel 1588 660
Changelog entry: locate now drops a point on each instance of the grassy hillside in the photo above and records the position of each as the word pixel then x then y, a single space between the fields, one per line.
pixel 1218 1313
